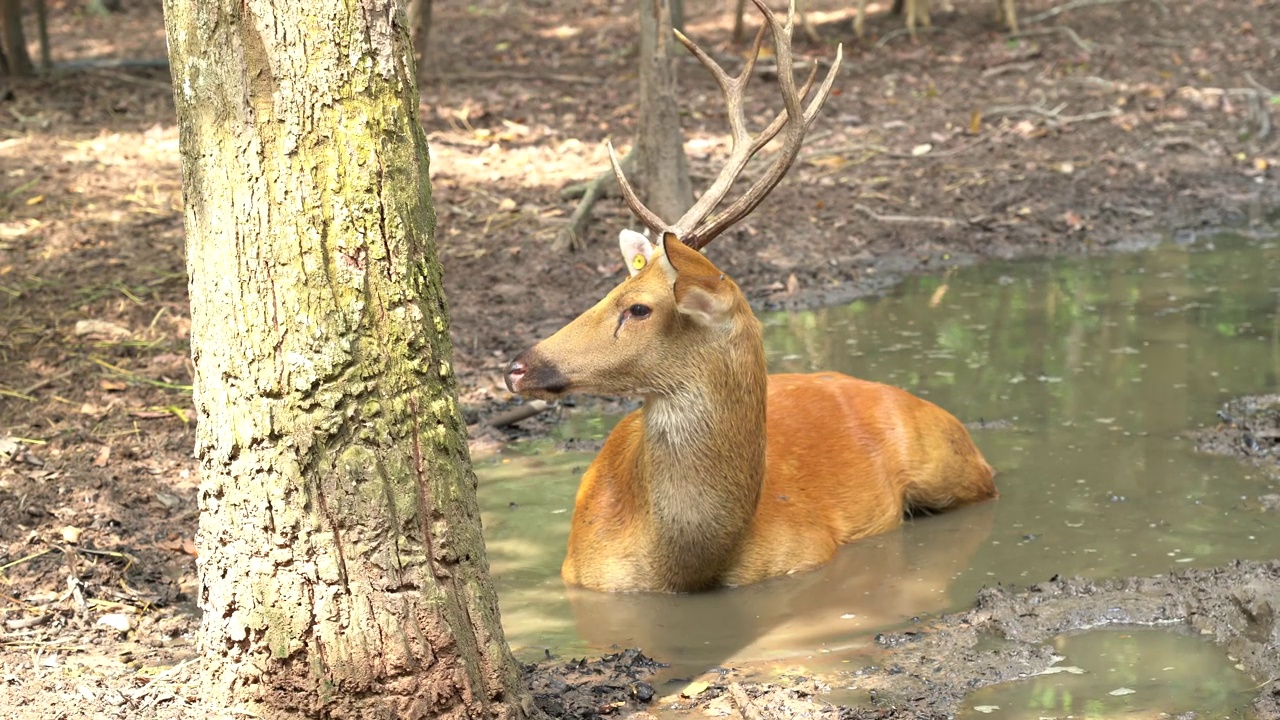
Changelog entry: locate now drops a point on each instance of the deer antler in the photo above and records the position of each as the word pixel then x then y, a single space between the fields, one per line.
pixel 694 228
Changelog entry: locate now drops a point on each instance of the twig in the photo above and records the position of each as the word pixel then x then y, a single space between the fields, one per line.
pixel 1248 77
pixel 570 236
pixel 47 381
pixel 926 219
pixel 902 31
pixel 28 558
pixel 126 77
pixel 1053 113
pixel 1073 5
pixel 520 412
pixel 1080 42
pixel 138 693
pixel 1008 68
pixel 513 75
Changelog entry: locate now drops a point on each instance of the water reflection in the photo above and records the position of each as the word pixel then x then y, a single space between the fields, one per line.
pixel 1123 673
pixel 1078 374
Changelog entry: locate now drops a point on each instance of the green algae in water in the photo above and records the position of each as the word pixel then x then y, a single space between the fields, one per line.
pixel 1123 673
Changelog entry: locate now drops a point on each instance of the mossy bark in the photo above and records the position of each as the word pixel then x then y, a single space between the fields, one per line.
pixel 342 570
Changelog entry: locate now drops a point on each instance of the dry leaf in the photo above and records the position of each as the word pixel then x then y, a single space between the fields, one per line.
pixel 103 456
pixel 71 534
pixel 793 284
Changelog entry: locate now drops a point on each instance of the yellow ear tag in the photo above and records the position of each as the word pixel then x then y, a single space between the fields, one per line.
pixel 638 262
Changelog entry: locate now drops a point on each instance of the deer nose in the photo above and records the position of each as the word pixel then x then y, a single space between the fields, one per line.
pixel 515 373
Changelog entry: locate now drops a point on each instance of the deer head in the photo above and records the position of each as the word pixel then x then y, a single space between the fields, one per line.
pixel 675 305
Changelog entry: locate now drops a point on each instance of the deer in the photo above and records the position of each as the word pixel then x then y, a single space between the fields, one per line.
pixel 727 475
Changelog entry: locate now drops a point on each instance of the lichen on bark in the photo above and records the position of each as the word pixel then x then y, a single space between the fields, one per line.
pixel 342 568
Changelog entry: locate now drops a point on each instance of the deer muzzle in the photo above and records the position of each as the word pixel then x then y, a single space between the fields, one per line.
pixel 530 374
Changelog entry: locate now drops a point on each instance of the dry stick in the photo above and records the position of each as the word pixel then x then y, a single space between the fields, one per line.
pixel 943 221
pixel 1081 43
pixel 570 236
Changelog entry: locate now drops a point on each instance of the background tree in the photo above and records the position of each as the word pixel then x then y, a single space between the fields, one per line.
pixel 661 163
pixel 342 568
pixel 14 59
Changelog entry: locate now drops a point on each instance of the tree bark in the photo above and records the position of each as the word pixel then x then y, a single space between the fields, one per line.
pixel 662 168
pixel 15 41
pixel 342 570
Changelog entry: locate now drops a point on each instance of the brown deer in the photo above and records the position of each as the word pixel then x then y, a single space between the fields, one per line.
pixel 727 475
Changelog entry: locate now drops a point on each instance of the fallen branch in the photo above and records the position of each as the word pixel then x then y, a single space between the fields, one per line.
pixel 513 75
pixel 520 412
pixel 1073 5
pixel 1080 42
pixel 570 236
pixel 903 31
pixel 924 219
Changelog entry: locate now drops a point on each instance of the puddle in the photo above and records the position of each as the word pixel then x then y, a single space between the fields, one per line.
pixel 1122 673
pixel 1078 376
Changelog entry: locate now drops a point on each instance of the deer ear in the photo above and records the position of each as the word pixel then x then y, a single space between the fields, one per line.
pixel 637 251
pixel 700 296
pixel 704 300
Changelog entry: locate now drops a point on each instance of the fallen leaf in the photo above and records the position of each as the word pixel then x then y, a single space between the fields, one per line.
pixel 112 385
pixel 103 456
pixel 71 534
pixel 694 689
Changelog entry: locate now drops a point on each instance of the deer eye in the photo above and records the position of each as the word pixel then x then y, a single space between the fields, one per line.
pixel 639 311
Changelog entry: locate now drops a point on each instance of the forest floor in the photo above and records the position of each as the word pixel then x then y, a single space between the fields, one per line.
pixel 1102 127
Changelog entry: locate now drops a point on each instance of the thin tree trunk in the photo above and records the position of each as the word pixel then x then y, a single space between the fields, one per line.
pixel 663 169
pixel 341 565
pixel 420 31
pixel 15 42
pixel 42 27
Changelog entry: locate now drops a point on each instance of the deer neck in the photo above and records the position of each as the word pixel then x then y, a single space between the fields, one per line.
pixel 703 462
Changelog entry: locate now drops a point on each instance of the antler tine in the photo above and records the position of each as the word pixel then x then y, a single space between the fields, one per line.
pixel 798 122
pixel 781 118
pixel 741 150
pixel 649 218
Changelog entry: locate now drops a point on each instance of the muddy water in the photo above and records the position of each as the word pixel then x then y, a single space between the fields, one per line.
pixel 1123 673
pixel 1077 376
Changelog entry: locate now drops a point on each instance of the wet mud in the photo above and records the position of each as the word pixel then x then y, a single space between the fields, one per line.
pixel 1247 428
pixel 927 671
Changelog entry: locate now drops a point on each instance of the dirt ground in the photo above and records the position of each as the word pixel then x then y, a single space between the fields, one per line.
pixel 1104 124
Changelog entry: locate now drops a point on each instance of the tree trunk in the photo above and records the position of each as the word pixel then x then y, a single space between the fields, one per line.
pixel 663 169
pixel 341 565
pixel 420 32
pixel 15 42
